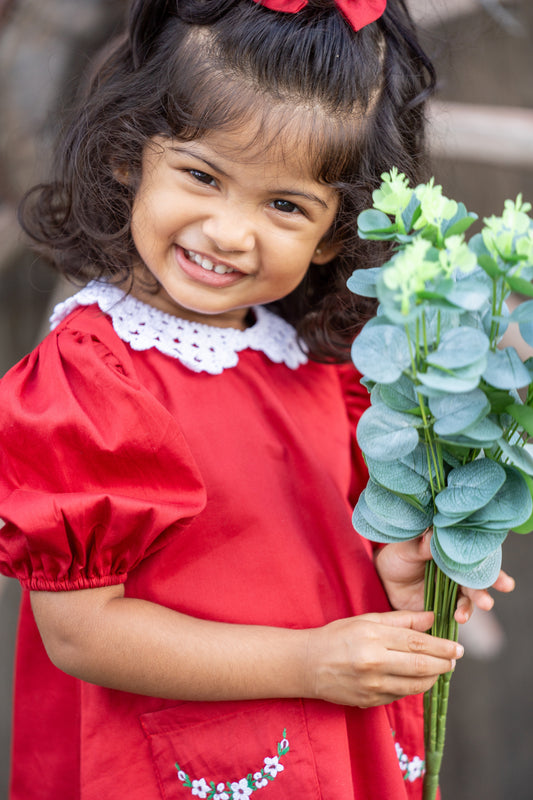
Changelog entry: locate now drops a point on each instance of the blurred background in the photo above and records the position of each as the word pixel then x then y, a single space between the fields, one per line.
pixel 481 135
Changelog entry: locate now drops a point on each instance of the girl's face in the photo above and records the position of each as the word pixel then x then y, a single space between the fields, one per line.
pixel 223 225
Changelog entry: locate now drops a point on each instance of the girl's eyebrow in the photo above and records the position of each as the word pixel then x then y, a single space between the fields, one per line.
pixel 313 198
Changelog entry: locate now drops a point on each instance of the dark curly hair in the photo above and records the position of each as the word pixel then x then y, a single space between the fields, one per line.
pixel 185 67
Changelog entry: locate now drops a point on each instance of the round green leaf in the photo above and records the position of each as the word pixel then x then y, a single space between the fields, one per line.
pixel 400 395
pixel 395 510
pixel 527 526
pixel 407 475
pixel 369 524
pixel 363 282
pixel 459 348
pixel 477 576
pixel 381 353
pixel 468 546
pixel 470 487
pixel 455 413
pixel 518 456
pixel 470 294
pixel 510 506
pixel 368 531
pixel 445 382
pixel 505 370
pixel 385 434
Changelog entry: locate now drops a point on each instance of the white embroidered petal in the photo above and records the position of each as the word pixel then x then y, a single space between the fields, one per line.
pixel 272 766
pixel 201 348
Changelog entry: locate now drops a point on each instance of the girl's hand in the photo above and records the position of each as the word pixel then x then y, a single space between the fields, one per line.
pixel 375 659
pixel 401 568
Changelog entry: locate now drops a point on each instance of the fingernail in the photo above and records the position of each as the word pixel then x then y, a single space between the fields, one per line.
pixel 454 662
pixel 459 649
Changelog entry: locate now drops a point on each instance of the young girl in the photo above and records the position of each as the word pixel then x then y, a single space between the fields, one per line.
pixel 178 465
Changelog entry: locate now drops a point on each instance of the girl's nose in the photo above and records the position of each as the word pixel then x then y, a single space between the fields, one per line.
pixel 230 230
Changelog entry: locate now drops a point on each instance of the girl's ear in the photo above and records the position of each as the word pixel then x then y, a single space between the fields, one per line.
pixel 326 252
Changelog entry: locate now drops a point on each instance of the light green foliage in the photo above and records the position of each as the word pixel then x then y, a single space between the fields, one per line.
pixel 444 436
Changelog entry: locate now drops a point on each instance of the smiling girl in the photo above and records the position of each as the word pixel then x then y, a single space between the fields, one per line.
pixel 177 458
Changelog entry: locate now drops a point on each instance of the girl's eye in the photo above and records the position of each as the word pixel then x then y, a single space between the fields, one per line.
pixel 286 206
pixel 202 177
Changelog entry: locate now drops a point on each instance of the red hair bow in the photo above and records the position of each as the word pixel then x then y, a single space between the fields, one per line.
pixel 358 12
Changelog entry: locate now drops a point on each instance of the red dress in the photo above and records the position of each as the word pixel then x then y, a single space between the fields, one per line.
pixel 226 496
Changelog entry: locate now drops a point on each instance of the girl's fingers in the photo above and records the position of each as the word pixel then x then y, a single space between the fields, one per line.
pixel 480 598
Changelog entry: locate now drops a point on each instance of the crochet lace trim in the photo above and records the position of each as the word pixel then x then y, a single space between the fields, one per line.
pixel 200 347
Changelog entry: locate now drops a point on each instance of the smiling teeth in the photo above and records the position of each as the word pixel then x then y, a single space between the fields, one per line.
pixel 205 263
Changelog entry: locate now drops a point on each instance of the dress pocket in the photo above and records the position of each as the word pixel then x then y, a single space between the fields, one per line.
pixel 227 751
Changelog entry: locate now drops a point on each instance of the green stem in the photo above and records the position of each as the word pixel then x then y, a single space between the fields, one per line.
pixel 441 598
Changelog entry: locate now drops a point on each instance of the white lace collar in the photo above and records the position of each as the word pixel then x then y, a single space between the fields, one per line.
pixel 201 348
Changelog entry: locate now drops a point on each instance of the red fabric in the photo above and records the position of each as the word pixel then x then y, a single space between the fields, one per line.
pixel 358 12
pixel 225 497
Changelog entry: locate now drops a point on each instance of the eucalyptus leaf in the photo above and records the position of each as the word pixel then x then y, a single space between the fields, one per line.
pixel 479 576
pixel 510 506
pixel 445 382
pixel 454 413
pixel 469 294
pixel 380 523
pixel 527 526
pixel 459 348
pixel 400 395
pixel 395 510
pixel 374 224
pixel 518 456
pixel 385 434
pixel 523 312
pixel 485 432
pixel 381 353
pixel 408 475
pixel 363 282
pixel 505 370
pixel 468 546
pixel 470 487
pixel 366 530
pixel 523 415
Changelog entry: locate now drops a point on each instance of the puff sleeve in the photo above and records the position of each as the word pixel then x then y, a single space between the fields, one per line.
pixel 95 474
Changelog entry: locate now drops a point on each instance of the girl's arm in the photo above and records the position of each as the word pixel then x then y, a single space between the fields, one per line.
pixel 103 637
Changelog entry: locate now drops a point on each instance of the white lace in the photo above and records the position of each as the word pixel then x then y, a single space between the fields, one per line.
pixel 200 347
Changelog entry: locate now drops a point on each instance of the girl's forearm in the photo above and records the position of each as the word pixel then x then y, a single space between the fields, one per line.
pixel 133 645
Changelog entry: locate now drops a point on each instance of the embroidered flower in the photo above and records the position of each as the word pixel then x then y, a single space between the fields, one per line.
pixel 284 745
pixel 272 766
pixel 241 789
pixel 220 793
pixel 260 780
pixel 200 788
pixel 182 776
pixel 415 769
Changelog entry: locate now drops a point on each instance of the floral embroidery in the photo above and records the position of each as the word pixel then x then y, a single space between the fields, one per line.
pixel 411 769
pixel 233 790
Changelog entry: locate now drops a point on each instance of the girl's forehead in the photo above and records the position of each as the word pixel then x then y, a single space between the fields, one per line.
pixel 290 139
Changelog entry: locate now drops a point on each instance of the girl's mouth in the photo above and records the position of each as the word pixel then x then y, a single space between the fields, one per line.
pixel 205 263
pixel 202 270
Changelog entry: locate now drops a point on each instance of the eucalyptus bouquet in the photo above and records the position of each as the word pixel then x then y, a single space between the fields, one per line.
pixel 445 436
